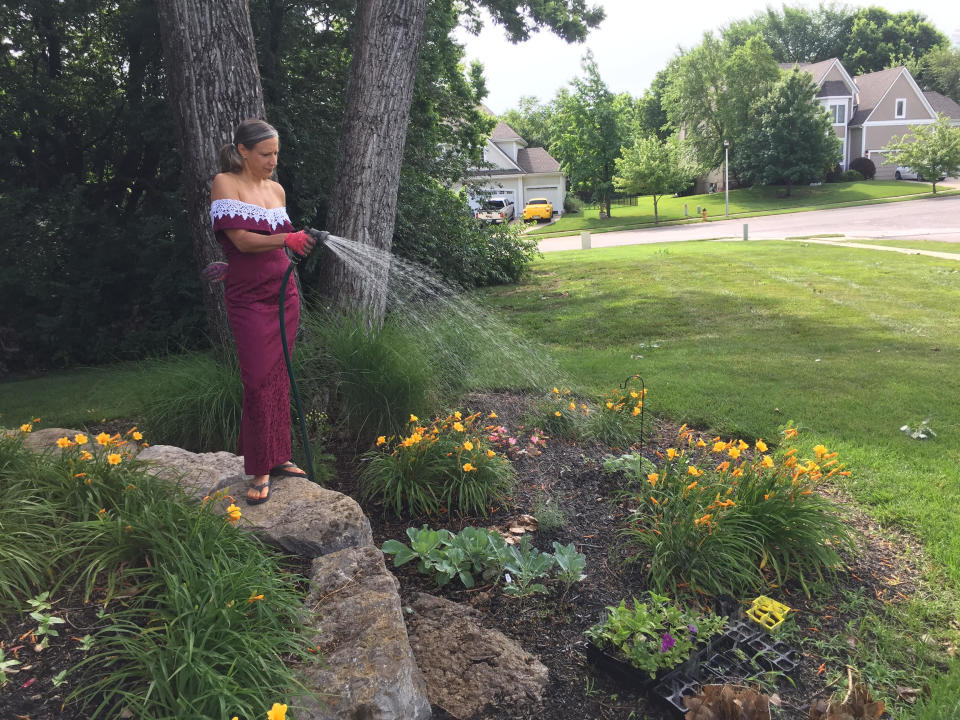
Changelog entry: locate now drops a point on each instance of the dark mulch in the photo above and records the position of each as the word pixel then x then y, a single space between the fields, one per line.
pixel 550 627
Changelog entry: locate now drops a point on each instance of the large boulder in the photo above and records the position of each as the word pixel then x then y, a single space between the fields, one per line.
pixel 46 439
pixel 468 667
pixel 199 474
pixel 305 519
pixel 369 671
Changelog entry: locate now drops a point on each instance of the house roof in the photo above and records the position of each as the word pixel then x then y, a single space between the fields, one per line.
pixel 503 132
pixel 817 69
pixel 537 160
pixel 943 104
pixel 873 86
pixel 833 88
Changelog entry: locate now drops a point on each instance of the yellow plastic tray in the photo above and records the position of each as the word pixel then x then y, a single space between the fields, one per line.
pixel 767 612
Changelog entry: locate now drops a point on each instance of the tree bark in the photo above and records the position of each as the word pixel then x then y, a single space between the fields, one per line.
pixel 388 35
pixel 214 83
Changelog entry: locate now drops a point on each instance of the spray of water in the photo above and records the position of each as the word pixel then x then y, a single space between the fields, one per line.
pixel 468 340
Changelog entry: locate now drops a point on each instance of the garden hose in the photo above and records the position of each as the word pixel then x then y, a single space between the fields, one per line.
pixel 294 261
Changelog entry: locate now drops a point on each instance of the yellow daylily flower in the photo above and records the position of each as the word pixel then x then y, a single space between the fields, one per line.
pixel 761 446
pixel 114 458
pixel 719 446
pixel 254 598
pixel 233 513
pixel 820 450
pixel 734 452
pixel 467 467
pixel 458 426
pixel 467 445
pixel 103 439
pixel 652 478
pixel 381 440
pixel 277 712
pixel 26 427
pixel 63 442
pixel 767 461
pixel 80 439
pixel 137 436
pixel 413 418
pixel 493 415
pixel 671 453
pixel 490 453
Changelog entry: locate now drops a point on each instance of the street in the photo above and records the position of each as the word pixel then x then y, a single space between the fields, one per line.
pixel 928 219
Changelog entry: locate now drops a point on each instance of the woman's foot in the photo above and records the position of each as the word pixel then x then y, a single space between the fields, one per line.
pixel 287 469
pixel 259 490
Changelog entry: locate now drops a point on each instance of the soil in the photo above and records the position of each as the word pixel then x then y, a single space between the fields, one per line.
pixel 549 626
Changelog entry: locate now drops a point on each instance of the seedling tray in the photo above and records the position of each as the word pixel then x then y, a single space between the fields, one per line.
pixel 674 688
pixel 619 668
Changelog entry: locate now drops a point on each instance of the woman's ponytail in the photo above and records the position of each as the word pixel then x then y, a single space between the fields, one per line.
pixel 230 159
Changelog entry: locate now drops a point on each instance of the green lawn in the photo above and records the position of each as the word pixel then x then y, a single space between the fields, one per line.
pixel 848 343
pixel 750 201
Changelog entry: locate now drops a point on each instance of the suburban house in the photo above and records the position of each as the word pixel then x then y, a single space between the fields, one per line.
pixel 868 110
pixel 517 171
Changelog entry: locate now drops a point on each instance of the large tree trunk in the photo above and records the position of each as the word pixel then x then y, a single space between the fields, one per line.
pixel 213 81
pixel 388 35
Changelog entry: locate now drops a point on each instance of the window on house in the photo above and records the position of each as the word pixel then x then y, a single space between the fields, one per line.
pixel 839 114
pixel 901 108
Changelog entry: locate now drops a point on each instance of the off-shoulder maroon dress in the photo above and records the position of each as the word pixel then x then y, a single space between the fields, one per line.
pixel 252 297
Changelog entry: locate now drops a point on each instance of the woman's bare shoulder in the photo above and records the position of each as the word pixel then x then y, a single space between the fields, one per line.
pixel 279 192
pixel 225 186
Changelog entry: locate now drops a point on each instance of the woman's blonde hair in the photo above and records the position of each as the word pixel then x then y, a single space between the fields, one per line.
pixel 248 133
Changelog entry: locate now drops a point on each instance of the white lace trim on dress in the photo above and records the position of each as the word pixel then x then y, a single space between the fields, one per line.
pixel 237 208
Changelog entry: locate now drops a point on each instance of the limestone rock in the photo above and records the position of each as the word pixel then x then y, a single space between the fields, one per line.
pixel 199 474
pixel 305 519
pixel 369 669
pixel 46 439
pixel 466 666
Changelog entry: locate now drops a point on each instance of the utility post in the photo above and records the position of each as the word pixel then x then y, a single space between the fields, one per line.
pixel 726 175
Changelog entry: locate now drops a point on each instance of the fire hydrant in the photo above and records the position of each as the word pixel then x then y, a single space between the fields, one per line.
pixel 704 214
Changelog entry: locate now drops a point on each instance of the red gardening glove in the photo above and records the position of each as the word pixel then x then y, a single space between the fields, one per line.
pixel 300 242
pixel 215 272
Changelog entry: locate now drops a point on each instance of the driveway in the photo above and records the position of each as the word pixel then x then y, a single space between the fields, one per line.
pixel 928 219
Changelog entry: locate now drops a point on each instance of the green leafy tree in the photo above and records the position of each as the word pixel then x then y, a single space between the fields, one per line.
pixel 588 134
pixel 794 139
pixel 651 117
pixel 932 150
pixel 532 120
pixel 879 39
pixel 939 70
pixel 797 34
pixel 655 167
pixel 710 91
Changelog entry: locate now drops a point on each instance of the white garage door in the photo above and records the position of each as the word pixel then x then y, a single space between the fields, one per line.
pixel 550 192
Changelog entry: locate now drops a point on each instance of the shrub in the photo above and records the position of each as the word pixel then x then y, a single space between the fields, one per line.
pixel 446 465
pixel 833 175
pixel 571 203
pixel 850 176
pixel 719 529
pixel 865 166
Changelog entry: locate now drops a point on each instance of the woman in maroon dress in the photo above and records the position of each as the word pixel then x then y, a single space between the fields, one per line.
pixel 250 221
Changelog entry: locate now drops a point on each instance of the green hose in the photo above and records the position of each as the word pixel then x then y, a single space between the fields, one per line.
pixel 293 381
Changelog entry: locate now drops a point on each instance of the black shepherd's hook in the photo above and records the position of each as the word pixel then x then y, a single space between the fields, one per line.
pixel 643 405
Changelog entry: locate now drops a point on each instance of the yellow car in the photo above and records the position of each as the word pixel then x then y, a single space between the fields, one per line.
pixel 538 209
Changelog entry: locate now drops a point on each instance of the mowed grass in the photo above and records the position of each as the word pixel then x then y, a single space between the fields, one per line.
pixel 750 201
pixel 742 337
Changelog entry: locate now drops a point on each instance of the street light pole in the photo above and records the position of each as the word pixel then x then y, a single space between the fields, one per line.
pixel 726 174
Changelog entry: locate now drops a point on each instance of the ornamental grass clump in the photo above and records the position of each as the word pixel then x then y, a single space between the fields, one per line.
pixel 559 414
pixel 447 465
pixel 654 636
pixel 720 516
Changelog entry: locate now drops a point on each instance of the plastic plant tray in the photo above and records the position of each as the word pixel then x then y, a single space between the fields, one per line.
pixel 738 632
pixel 774 655
pixel 767 613
pixel 620 669
pixel 725 666
pixel 674 688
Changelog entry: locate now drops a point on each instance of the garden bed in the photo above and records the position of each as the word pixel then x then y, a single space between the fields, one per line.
pixel 552 626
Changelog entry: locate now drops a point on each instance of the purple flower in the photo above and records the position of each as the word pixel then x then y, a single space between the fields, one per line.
pixel 693 629
pixel 667 642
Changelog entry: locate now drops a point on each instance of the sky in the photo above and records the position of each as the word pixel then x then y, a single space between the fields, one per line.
pixel 634 42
